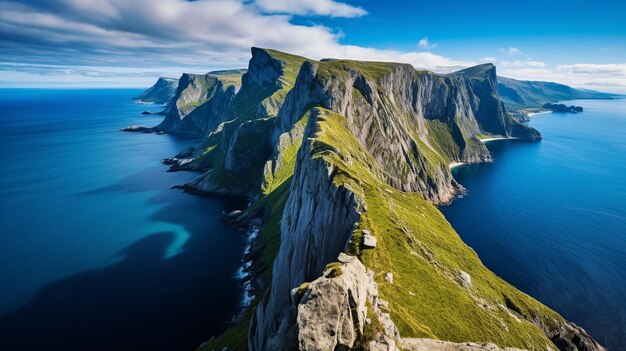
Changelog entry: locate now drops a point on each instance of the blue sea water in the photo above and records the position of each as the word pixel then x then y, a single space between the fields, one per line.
pixel 99 253
pixel 550 216
pixel 96 251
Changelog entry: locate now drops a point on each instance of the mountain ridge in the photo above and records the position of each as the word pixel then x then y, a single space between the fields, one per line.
pixel 333 152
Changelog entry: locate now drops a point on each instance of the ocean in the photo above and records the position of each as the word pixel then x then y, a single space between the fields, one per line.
pixel 550 216
pixel 98 252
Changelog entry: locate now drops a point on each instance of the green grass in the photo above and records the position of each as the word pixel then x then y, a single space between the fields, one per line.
pixel 371 70
pixel 287 154
pixel 424 253
pixel 247 101
pixel 333 269
pixel 229 77
pixel 415 242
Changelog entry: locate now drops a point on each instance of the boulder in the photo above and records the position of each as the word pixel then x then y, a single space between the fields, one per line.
pixel 369 241
pixel 332 311
pixel 465 279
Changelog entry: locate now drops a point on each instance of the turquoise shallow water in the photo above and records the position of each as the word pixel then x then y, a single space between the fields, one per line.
pixel 550 216
pixel 97 251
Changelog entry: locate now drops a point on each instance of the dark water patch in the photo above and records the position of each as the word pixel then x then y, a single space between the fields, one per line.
pixel 98 252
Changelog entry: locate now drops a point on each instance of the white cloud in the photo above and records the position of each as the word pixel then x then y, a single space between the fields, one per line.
pixel 527 63
pixel 488 59
pixel 604 77
pixel 311 7
pixel 157 35
pixel 514 51
pixel 424 43
pixel 613 69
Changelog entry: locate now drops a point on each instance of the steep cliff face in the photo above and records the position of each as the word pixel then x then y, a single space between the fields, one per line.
pixel 201 103
pixel 235 153
pixel 414 123
pixel 434 287
pixel 317 216
pixel 349 157
pixel 161 92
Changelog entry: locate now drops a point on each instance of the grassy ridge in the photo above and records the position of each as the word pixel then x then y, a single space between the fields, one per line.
pixel 427 298
pixel 425 255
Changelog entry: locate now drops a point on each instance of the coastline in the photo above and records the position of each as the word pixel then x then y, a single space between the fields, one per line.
pixel 486 140
pixel 453 165
pixel 531 114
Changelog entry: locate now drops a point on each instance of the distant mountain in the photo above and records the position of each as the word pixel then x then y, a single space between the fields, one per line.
pixel 518 94
pixel 161 92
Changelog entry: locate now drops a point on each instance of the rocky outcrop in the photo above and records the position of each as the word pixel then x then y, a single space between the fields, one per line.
pixel 161 92
pixel 570 337
pixel 334 310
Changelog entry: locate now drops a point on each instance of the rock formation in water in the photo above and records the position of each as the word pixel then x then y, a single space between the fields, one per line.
pixel 338 155
pixel 161 92
pixel 563 108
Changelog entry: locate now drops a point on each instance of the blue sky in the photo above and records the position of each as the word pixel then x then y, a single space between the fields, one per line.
pixel 130 43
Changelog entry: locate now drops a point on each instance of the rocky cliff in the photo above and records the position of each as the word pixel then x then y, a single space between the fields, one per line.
pixel 346 157
pixel 201 102
pixel 161 92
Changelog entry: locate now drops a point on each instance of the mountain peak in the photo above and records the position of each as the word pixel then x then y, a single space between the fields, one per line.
pixel 483 70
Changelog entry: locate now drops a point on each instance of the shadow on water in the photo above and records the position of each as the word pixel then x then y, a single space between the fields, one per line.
pixel 144 301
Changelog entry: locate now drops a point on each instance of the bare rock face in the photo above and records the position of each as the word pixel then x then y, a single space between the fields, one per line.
pixel 404 117
pixel 570 337
pixel 333 310
pixel 438 345
pixel 315 227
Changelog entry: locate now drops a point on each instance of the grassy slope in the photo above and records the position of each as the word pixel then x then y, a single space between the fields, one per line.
pixel 415 243
pixel 424 253
pixel 244 108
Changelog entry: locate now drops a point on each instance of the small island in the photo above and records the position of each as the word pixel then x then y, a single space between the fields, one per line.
pixel 563 108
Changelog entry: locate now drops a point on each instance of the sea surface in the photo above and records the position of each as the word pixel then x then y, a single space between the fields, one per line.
pixel 550 216
pixel 96 251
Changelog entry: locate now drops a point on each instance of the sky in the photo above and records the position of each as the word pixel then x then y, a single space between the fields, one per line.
pixel 121 43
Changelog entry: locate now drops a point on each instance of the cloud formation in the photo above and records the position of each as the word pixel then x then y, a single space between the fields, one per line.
pixel 424 43
pixel 511 51
pixel 311 7
pixel 527 63
pixel 160 34
pixel 103 40
pixel 608 77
